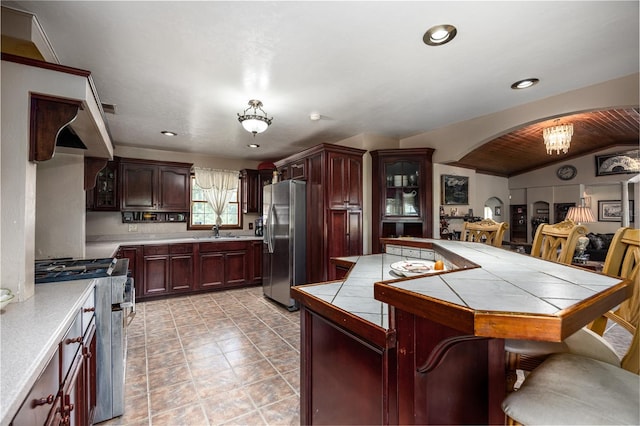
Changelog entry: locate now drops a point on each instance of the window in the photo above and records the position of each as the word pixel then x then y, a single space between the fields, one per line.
pixel 202 215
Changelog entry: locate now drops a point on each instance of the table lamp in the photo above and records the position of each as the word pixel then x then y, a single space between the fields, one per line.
pixel 581 215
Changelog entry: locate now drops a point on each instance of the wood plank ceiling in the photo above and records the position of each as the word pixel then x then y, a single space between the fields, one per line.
pixel 523 150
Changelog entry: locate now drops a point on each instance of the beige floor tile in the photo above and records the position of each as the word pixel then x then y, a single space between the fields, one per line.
pixel 167 397
pixel 269 391
pixel 161 346
pixel 250 419
pixel 165 359
pixel 194 360
pixel 186 416
pixel 168 376
pixel 227 406
pixel 285 412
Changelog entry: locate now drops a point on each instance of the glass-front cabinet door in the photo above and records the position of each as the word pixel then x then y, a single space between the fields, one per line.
pixel 402 188
pixel 401 194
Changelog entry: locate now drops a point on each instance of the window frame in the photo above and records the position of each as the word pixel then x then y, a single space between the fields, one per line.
pixel 191 227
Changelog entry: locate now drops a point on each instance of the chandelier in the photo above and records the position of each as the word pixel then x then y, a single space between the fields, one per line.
pixel 558 138
pixel 252 121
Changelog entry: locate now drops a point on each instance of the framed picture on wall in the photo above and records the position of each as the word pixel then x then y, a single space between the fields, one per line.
pixel 611 211
pixel 497 211
pixel 618 163
pixel 455 189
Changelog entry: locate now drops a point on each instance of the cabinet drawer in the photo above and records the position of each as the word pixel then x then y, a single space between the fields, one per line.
pixel 153 250
pixel 226 246
pixel 88 310
pixel 40 400
pixel 180 248
pixel 70 345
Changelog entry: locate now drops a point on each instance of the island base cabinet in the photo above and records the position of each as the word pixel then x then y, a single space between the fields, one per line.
pixel 344 379
pixel 446 376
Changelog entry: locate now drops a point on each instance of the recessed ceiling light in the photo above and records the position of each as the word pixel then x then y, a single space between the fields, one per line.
pixel 168 133
pixel 314 116
pixel 439 35
pixel 253 145
pixel 524 84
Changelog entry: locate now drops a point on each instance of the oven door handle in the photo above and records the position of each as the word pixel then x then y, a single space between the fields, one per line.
pixel 130 304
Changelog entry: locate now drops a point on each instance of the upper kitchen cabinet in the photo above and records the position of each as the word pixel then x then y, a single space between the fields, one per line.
pixel 105 196
pixel 334 203
pixel 251 184
pixel 402 195
pixel 154 186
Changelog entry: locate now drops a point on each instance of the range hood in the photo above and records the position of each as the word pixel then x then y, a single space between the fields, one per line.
pixel 65 111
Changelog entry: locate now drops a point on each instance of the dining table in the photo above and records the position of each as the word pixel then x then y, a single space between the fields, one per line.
pixel 383 345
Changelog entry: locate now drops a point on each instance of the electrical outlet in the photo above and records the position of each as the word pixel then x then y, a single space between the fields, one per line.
pixel 133 227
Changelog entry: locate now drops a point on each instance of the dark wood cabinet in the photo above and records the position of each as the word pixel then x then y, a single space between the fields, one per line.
pixel 156 270
pixel 255 277
pixel 401 194
pixel 154 186
pixel 161 270
pixel 224 264
pixel 294 169
pixel 181 267
pixel 345 181
pixel 135 256
pixel 334 203
pixel 251 183
pixel 168 269
pixel 65 392
pixel 105 196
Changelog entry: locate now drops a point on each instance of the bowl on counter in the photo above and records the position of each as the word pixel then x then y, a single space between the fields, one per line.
pixel 5 297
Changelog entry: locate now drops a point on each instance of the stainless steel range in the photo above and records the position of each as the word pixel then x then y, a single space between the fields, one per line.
pixel 115 308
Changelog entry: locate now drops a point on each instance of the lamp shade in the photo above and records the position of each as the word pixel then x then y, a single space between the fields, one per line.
pixel 580 214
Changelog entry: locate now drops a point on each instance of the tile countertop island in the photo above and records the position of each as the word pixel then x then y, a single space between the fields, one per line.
pixel 29 335
pixel 429 349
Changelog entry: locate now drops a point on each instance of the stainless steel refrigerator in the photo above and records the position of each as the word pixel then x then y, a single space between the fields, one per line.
pixel 284 248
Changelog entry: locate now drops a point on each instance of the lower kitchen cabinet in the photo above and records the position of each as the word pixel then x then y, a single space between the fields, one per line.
pixel 255 276
pixel 161 270
pixel 167 269
pixel 65 392
pixel 224 264
pixel 156 270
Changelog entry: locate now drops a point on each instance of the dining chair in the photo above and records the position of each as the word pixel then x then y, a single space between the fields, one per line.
pixel 485 231
pixel 557 242
pixel 623 260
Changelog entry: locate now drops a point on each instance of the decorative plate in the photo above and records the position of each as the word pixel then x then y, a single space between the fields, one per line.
pixel 410 268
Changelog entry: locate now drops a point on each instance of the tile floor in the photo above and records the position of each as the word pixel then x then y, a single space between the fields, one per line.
pixel 229 357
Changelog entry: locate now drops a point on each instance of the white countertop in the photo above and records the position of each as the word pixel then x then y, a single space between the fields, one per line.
pixel 103 249
pixel 29 335
pixel 505 281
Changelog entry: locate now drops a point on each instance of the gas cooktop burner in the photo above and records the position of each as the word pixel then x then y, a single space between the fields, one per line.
pixel 54 270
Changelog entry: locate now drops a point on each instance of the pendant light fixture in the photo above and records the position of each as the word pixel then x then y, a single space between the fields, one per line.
pixel 252 121
pixel 558 137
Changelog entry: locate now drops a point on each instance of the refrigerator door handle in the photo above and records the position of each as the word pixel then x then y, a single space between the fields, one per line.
pixel 269 236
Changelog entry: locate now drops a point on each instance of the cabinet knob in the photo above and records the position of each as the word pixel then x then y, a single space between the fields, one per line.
pixel 73 340
pixel 43 401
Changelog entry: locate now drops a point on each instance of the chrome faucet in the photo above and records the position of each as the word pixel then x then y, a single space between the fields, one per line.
pixel 216 231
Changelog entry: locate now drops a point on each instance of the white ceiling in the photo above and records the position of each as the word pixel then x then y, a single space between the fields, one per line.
pixel 190 67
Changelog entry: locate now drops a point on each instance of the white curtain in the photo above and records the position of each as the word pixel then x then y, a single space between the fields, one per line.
pixel 218 186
